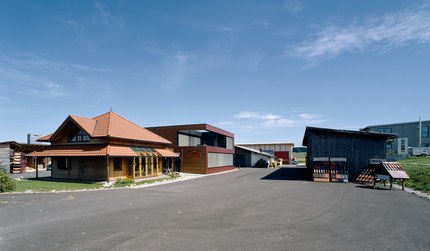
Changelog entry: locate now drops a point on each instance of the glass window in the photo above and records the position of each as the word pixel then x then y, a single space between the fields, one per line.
pixel 188 140
pixel 229 143
pixel 79 136
pixel 220 159
pixel 385 130
pixel 424 131
pixel 64 163
pixel 117 165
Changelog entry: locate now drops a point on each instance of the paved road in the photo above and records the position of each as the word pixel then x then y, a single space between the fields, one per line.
pixel 248 209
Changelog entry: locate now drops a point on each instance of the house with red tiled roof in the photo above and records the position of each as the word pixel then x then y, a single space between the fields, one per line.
pixel 106 147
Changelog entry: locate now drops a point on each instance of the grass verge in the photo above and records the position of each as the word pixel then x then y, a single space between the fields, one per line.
pixel 49 185
pixel 418 169
pixel 54 185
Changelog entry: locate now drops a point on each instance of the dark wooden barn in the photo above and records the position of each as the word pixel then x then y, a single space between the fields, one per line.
pixel 357 148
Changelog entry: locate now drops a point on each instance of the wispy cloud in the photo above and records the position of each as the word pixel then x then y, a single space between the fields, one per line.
pixel 32 75
pixel 293 7
pixel 410 26
pixel 106 17
pixel 249 120
pixel 175 71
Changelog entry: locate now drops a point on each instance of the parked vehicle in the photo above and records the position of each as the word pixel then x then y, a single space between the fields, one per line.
pixel 419 151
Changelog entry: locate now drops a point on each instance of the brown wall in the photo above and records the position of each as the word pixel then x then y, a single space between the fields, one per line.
pixel 83 168
pixel 194 159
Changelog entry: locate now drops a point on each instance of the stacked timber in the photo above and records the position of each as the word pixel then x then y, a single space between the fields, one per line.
pixel 16 162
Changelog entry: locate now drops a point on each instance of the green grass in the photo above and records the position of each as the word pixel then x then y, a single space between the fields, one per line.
pixel 418 169
pixel 47 186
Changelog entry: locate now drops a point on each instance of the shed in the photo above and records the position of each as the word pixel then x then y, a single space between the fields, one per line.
pixel 356 147
pixel 250 157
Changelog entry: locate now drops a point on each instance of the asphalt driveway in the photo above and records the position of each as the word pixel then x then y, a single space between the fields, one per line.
pixel 248 209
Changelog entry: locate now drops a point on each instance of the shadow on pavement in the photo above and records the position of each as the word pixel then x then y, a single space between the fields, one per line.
pixel 288 173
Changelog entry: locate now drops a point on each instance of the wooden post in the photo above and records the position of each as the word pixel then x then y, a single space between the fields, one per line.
pixel 107 168
pixel 37 168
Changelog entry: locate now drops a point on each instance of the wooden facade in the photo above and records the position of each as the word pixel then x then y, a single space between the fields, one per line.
pixel 107 147
pixel 357 147
pixel 197 157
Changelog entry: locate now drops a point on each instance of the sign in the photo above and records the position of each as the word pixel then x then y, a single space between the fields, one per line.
pixel 195 154
pixel 402 146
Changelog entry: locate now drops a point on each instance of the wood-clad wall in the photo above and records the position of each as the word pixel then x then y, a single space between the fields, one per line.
pixel 358 149
pixel 194 159
pixel 82 168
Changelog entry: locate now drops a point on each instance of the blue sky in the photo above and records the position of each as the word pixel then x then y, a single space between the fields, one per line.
pixel 263 70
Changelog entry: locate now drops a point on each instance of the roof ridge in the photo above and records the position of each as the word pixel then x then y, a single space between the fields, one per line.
pixel 109 126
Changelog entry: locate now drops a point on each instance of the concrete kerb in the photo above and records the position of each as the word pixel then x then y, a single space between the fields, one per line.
pixel 183 177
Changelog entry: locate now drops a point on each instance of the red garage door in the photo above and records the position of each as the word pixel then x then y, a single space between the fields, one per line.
pixel 284 155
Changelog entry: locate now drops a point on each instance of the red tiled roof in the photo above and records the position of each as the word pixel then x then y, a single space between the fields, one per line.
pixel 112 125
pixel 121 151
pixel 167 153
pixel 71 151
pixel 96 150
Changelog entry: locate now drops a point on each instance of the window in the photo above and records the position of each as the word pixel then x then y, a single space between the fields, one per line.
pixel 64 163
pixel 385 130
pixel 79 136
pixel 117 164
pixel 219 159
pixel 425 132
pixel 188 140
pixel 229 143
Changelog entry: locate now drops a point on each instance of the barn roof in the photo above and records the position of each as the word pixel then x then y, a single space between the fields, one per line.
pixel 320 130
pixel 254 151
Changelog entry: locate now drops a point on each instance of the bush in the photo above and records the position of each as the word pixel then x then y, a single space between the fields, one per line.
pixel 7 183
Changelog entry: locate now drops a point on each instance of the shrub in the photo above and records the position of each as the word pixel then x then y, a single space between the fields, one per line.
pixel 7 183
pixel 123 182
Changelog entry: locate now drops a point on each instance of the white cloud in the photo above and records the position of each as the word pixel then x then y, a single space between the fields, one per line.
pixel 32 75
pixel 104 16
pixel 249 120
pixel 372 34
pixel 175 71
pixel 293 7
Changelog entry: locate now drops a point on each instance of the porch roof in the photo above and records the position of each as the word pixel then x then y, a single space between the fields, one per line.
pixel 102 150
pixel 71 151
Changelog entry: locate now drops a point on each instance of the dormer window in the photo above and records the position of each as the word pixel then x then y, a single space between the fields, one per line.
pixel 79 136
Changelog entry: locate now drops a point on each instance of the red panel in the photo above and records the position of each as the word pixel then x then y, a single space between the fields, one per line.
pixel 284 155
pixel 219 169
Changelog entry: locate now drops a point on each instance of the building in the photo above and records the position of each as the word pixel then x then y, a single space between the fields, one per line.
pixel 407 135
pixel 106 147
pixel 280 150
pixel 250 157
pixel 13 156
pixel 354 148
pixel 203 148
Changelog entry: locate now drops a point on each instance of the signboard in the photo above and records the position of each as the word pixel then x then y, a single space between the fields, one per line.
pixel 402 146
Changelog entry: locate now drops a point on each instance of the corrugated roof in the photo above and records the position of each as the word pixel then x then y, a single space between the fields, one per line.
pixel 254 150
pixel 341 131
pixel 110 124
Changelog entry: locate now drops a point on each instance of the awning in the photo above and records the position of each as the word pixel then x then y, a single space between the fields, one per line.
pixel 70 151
pixel 167 153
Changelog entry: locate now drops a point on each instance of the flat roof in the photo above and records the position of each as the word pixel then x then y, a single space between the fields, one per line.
pixel 394 124
pixel 203 126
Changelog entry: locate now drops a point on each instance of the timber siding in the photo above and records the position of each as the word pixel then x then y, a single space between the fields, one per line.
pixel 357 147
pixel 82 168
